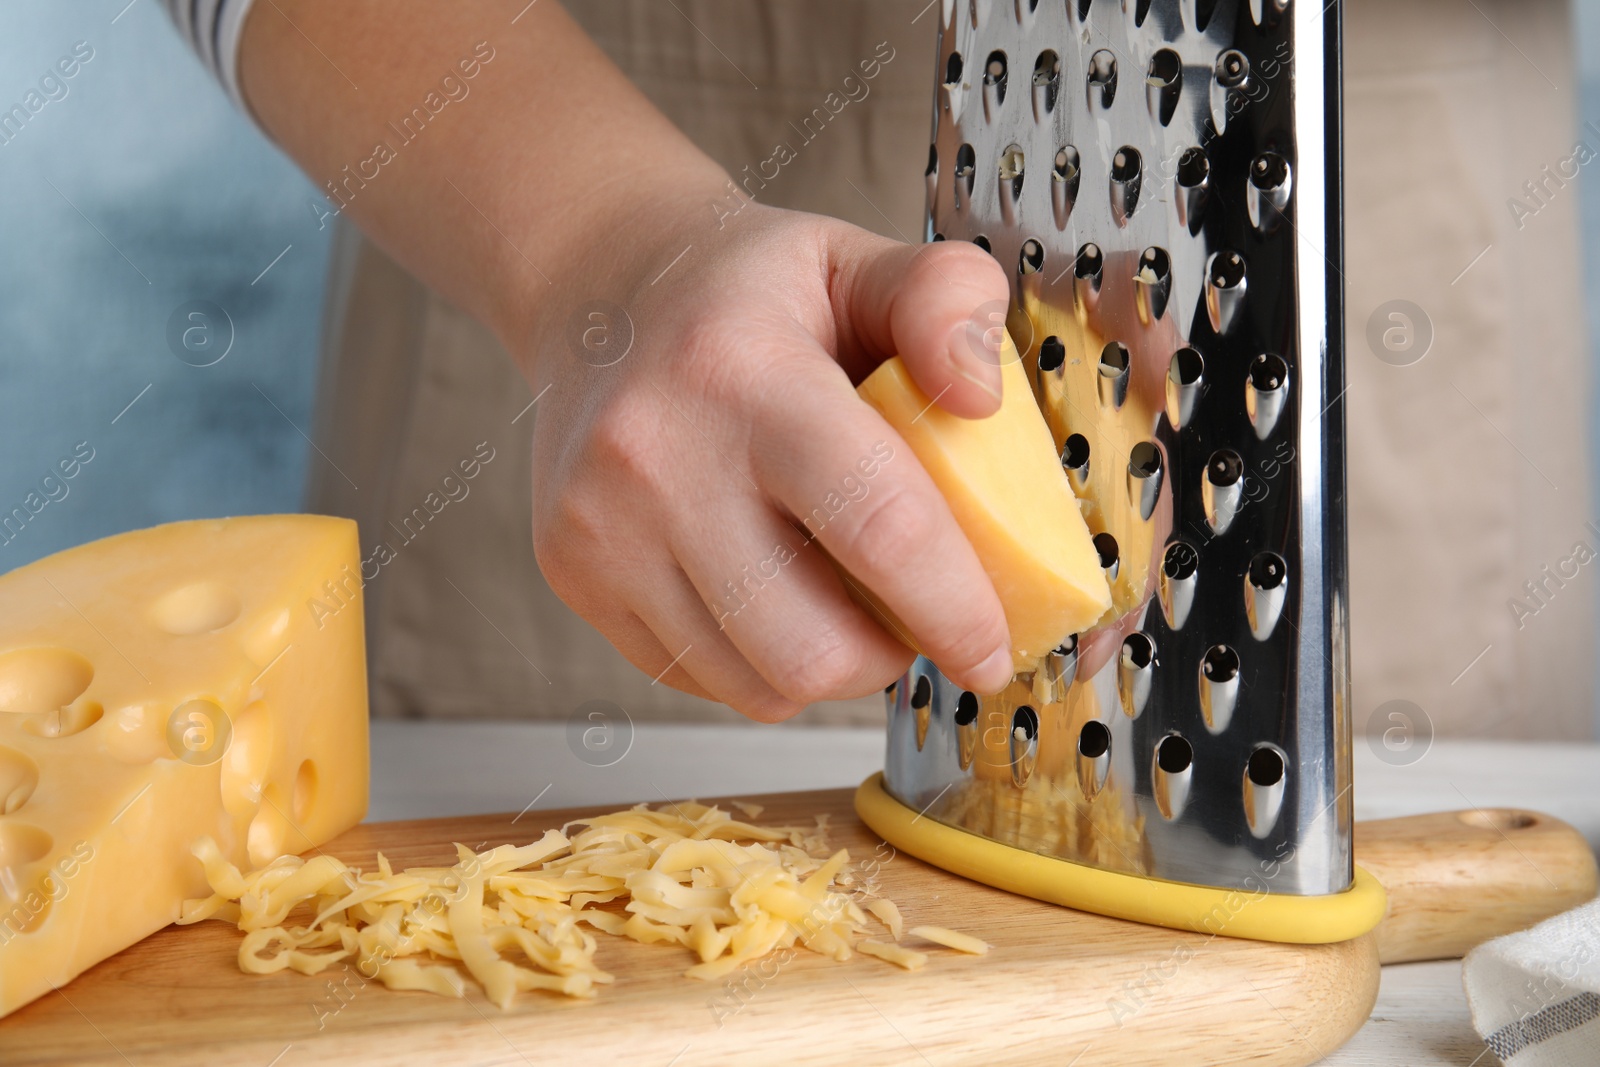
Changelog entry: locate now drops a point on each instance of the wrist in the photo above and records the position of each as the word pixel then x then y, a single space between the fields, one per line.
pixel 616 237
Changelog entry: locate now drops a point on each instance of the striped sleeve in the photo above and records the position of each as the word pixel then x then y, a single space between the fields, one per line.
pixel 213 29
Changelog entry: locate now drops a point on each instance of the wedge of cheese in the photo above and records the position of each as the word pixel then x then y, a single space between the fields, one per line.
pixel 198 680
pixel 1005 484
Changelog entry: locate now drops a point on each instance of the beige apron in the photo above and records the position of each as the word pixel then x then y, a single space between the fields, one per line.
pixel 1468 470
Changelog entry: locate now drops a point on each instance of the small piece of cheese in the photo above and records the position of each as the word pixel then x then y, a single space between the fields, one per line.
pixel 1009 494
pixel 886 912
pixel 910 959
pixel 940 935
pixel 198 680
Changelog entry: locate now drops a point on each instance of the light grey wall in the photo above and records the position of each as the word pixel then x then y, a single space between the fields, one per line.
pixel 138 190
pixel 1587 40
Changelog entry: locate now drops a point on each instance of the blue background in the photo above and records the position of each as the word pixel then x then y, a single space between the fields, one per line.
pixel 150 150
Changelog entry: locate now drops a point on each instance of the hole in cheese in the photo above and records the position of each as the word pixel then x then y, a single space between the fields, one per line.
pixel 305 790
pixel 22 844
pixel 1008 492
pixel 198 608
pixel 36 680
pixel 19 777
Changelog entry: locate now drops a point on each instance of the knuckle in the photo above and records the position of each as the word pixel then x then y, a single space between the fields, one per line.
pixel 624 442
pixel 972 644
pixel 822 669
pixel 888 532
pixel 962 256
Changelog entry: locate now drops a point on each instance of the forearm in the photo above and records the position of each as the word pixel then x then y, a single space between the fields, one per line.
pixel 493 159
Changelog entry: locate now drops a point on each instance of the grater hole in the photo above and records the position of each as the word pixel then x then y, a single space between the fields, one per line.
pixel 1180 562
pixel 922 695
pixel 1174 755
pixel 1145 460
pixel 1083 9
pixel 1012 164
pixel 1166 69
pixel 1103 76
pixel 1187 366
pixel 933 162
pixel 1203 10
pixel 1227 270
pixel 1265 767
pixel 1025 724
pixel 1141 11
pixel 1127 167
pixel 1126 164
pixel 1267 571
pixel 1094 740
pixel 1269 171
pixel 966 708
pixel 1268 372
pixel 1047 68
pixel 983 242
pixel 1224 468
pixel 1193 168
pixel 1067 164
pixel 1233 69
pixel 938 237
pixel 1114 360
pixel 1069 647
pixel 966 169
pixel 1075 453
pixel 1089 261
pixel 1103 69
pixel 994 73
pixel 1156 262
pixel 1138 651
pixel 1155 272
pixel 1031 261
pixel 1221 664
pixel 1106 546
pixel 953 68
pixel 1052 354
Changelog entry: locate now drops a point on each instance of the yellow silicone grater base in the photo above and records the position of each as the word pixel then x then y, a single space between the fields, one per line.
pixel 1258 916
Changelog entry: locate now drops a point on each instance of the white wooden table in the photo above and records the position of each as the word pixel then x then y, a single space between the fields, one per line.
pixel 426 769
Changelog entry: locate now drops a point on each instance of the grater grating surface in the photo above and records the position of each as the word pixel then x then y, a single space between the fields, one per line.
pixel 1161 180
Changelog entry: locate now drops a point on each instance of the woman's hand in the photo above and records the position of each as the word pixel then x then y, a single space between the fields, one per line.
pixel 685 494
pixel 678 491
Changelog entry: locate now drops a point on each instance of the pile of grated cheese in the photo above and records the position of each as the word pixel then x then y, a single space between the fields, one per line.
pixel 522 917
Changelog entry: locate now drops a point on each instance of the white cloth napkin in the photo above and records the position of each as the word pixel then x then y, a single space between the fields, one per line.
pixel 1535 995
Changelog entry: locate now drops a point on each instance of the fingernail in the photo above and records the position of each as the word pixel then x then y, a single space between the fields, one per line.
pixel 967 344
pixel 994 673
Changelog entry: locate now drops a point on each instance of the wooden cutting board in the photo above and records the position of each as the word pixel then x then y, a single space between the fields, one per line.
pixel 1057 986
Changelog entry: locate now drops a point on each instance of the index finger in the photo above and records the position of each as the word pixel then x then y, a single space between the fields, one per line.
pixel 843 472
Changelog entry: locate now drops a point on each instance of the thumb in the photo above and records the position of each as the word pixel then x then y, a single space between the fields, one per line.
pixel 940 307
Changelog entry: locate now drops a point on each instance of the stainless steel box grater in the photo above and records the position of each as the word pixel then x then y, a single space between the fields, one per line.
pixel 1161 180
